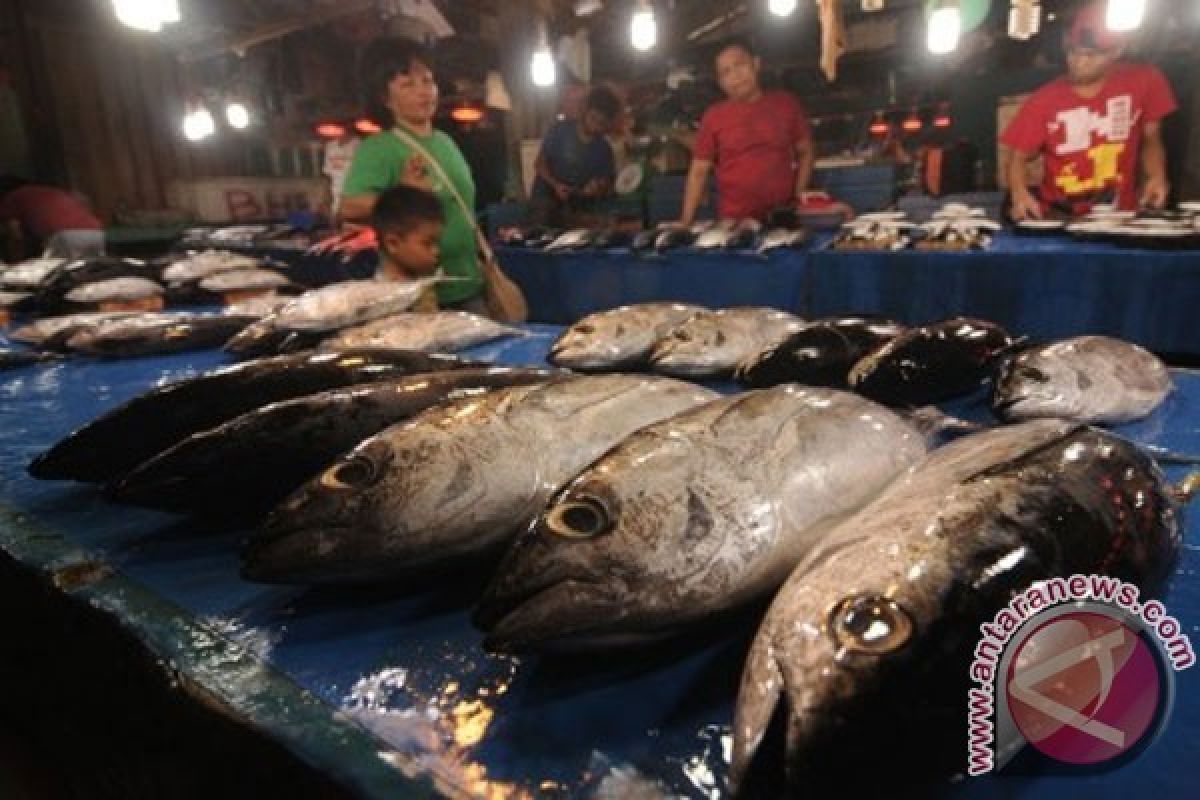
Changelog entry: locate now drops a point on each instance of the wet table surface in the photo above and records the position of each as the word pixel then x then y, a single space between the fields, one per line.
pixel 388 689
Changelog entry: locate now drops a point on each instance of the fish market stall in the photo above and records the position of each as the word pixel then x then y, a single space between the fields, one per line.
pixel 389 690
pixel 1044 286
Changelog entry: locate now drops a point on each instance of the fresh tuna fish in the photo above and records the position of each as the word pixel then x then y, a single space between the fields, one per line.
pixel 674 238
pixel 436 332
pixel 198 266
pixel 456 482
pixel 822 354
pixel 717 237
pixel 12 301
pixel 930 364
pixel 263 338
pixel 88 271
pixel 350 303
pixel 619 339
pixel 781 238
pixel 1093 379
pixel 31 275
pixel 874 631
pixel 246 466
pixel 694 516
pixel 241 280
pixel 118 441
pixel 116 289
pixel 571 240
pixel 37 333
pixel 643 241
pixel 712 343
pixel 156 334
pixel 258 307
pixel 612 238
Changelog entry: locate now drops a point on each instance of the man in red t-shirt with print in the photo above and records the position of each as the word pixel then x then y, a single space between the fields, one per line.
pixel 1091 126
pixel 759 140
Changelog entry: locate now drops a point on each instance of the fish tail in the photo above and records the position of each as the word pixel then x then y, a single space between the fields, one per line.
pixel 1187 489
pixel 758 698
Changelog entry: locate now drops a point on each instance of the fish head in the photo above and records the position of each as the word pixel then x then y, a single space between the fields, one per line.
pixel 600 562
pixel 1028 386
pixel 822 657
pixel 591 343
pixel 698 341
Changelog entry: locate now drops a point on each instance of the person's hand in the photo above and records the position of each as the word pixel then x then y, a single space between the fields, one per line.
pixel 416 173
pixel 1154 193
pixel 1024 206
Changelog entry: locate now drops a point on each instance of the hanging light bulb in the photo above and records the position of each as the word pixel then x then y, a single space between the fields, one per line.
pixel 943 119
pixel 237 115
pixel 542 66
pixel 1024 19
pixel 781 8
pixel 945 26
pixel 146 15
pixel 872 5
pixel 198 123
pixel 880 126
pixel 912 123
pixel 1125 15
pixel 366 126
pixel 644 27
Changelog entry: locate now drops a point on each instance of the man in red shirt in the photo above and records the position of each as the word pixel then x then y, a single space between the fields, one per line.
pixel 1092 126
pixel 759 140
pixel 55 218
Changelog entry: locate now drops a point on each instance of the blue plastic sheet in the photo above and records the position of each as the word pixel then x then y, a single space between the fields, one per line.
pixel 394 679
pixel 1041 287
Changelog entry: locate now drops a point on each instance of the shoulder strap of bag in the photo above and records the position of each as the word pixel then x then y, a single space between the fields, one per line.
pixel 416 145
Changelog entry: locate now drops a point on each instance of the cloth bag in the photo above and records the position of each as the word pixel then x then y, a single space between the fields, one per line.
pixel 505 300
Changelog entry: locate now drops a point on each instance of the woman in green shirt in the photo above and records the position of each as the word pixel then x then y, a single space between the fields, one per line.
pixel 400 79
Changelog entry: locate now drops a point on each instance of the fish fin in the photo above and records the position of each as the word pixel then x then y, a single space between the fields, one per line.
pixel 1165 456
pixel 931 421
pixel 758 698
pixel 1187 489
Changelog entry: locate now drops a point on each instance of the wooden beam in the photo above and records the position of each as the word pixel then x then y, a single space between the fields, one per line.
pixel 241 43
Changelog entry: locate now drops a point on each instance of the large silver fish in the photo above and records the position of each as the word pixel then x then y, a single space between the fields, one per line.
pixel 872 634
pixel 249 464
pixel 115 289
pixel 435 332
pixel 714 342
pixel 31 275
pixel 198 266
pixel 239 280
pixel 37 332
pixel 694 516
pixel 456 482
pixel 341 305
pixel 618 339
pixel 1093 379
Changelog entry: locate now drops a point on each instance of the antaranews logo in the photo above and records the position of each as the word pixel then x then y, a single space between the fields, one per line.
pixel 1078 668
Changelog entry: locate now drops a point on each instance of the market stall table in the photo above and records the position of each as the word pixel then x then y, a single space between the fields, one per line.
pixel 1043 287
pixel 375 686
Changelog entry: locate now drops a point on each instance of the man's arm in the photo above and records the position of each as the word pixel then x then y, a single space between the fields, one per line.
pixel 561 190
pixel 1154 163
pixel 693 192
pixel 805 156
pixel 1024 204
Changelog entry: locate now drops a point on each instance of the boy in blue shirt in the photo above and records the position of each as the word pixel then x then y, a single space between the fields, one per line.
pixel 575 167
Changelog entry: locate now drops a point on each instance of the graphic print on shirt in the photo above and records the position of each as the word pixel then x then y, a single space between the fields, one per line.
pixel 1078 128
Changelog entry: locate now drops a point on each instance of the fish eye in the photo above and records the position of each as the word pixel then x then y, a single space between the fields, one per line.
pixel 719 338
pixel 870 624
pixel 1029 373
pixel 683 335
pixel 582 517
pixel 357 472
pixel 585 328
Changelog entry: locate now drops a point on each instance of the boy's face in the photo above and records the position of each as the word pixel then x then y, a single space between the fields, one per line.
pixel 417 250
pixel 1087 65
pixel 737 73
pixel 595 123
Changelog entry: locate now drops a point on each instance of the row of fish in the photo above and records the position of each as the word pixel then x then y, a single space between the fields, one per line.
pixel 1092 379
pixel 703 236
pixel 630 508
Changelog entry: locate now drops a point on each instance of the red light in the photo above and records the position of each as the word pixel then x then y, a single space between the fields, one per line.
pixel 366 126
pixel 942 121
pixel 879 127
pixel 467 114
pixel 912 124
pixel 331 130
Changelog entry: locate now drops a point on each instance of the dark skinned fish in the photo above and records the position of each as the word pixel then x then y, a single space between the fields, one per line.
pixel 118 441
pixel 135 336
pixel 1092 379
pixel 248 465
pixel 694 516
pixel 887 608
pixel 622 338
pixel 822 354
pixel 930 364
pixel 456 482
